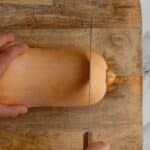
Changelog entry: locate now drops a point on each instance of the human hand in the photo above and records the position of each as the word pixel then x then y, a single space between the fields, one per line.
pixel 7 55
pixel 99 146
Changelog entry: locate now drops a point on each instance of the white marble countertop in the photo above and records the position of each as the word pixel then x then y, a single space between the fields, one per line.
pixel 146 91
pixel 146 70
pixel 146 11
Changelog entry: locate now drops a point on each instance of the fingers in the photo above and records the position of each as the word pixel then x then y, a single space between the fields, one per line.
pixel 15 50
pixel 12 111
pixel 99 146
pixel 7 38
pixel 9 54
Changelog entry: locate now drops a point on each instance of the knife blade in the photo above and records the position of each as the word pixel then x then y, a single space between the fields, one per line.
pixel 88 135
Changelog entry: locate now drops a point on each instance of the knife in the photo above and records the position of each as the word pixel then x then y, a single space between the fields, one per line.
pixel 87 138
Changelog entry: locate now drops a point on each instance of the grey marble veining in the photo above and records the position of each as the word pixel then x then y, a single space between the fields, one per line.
pixel 146 91
pixel 146 69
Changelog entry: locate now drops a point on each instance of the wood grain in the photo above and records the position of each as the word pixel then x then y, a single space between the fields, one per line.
pixel 116 35
pixel 71 2
pixel 27 2
pixel 68 14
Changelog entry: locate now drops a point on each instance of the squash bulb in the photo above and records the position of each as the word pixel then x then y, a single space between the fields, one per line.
pixel 61 78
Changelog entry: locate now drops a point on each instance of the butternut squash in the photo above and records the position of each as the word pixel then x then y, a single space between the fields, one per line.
pixel 60 78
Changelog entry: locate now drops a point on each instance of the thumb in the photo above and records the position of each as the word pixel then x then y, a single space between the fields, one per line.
pixel 12 111
pixel 99 146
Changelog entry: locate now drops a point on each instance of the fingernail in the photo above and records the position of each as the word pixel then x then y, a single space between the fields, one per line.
pixel 23 110
pixel 13 115
pixel 23 48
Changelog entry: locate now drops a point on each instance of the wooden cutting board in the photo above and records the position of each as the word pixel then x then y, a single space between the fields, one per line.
pixel 65 24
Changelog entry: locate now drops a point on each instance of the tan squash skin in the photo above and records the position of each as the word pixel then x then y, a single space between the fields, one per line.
pixel 54 78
